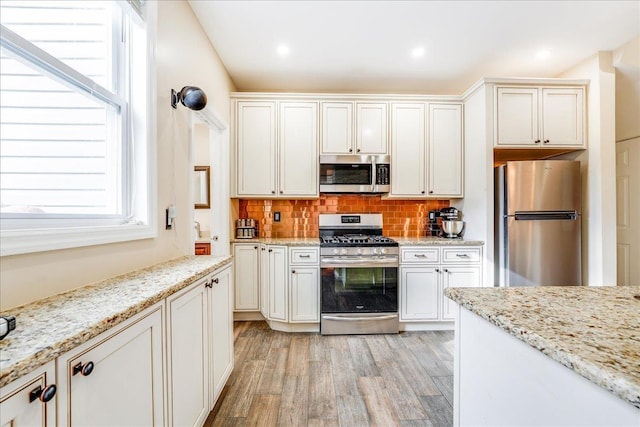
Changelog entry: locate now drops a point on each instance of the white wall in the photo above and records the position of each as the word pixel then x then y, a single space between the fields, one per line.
pixel 184 57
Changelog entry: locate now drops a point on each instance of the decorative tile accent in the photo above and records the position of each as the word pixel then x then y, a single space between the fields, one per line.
pixel 299 218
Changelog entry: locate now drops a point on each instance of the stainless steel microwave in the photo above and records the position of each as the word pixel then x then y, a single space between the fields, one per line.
pixel 355 174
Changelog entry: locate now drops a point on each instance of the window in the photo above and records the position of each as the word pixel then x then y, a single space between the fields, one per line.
pixel 74 124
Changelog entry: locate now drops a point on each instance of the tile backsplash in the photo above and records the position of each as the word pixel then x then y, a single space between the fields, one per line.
pixel 299 218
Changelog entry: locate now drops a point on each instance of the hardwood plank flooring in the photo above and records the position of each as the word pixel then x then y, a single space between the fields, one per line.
pixel 287 379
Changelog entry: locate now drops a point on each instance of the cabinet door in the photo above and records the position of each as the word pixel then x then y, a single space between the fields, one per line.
pixel 298 149
pixel 246 280
pixel 17 408
pixel 517 116
pixel 419 293
pixel 256 148
pixel 188 355
pixel 337 128
pixel 445 150
pixel 126 385
pixel 371 128
pixel 221 332
pixel 562 117
pixel 408 145
pixel 278 281
pixel 457 276
pixel 305 294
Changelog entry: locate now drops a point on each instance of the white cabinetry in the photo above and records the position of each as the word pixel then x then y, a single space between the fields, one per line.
pixel 276 149
pixel 304 285
pixel 116 378
pixel 426 156
pixel 246 276
pixel 278 283
pixel 549 117
pixel 187 362
pixel 30 400
pixel 424 274
pixel 221 332
pixel 340 136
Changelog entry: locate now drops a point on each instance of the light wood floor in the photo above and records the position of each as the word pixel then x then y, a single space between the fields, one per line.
pixel 284 379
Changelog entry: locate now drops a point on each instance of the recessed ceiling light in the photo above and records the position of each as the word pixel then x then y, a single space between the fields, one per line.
pixel 417 52
pixel 283 50
pixel 543 54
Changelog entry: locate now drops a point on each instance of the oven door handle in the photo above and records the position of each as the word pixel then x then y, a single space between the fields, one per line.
pixel 375 262
pixel 356 319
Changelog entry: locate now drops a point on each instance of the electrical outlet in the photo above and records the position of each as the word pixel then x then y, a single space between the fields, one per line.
pixel 276 217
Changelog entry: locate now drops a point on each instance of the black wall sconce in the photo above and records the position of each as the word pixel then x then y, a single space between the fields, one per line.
pixel 191 97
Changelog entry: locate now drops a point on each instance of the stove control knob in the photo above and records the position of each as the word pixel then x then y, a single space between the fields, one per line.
pixel 383 251
pixel 335 251
pixel 359 251
pixel 375 251
pixel 343 251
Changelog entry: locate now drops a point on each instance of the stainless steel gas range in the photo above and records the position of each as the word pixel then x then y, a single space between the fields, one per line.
pixel 359 271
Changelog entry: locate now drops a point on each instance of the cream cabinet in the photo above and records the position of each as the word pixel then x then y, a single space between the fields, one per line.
pixel 548 117
pixel 246 276
pixel 278 283
pixel 276 149
pixel 30 400
pixel 304 280
pixel 425 272
pixel 426 150
pixel 220 332
pixel 353 127
pixel 188 356
pixel 116 378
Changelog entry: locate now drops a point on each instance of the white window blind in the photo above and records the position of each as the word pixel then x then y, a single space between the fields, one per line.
pixel 66 130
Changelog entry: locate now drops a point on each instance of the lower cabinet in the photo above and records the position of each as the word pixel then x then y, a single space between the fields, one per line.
pixel 116 378
pixel 166 366
pixel 247 258
pixel 278 283
pixel 200 342
pixel 30 400
pixel 425 272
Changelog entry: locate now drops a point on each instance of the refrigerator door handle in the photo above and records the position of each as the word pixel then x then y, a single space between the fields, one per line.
pixel 545 215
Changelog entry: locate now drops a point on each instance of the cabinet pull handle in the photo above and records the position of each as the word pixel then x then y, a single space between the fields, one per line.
pixel 43 395
pixel 209 284
pixel 462 255
pixel 419 255
pixel 83 369
pixel 537 141
pixel 216 281
pixel 305 256
pixel 546 141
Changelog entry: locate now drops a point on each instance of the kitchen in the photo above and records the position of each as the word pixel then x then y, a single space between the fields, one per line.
pixel 89 264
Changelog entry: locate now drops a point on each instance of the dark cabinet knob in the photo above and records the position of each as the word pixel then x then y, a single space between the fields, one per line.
pixel 537 141
pixel 44 395
pixel 446 271
pixel 209 284
pixel 351 150
pixel 422 191
pixel 293 271
pixel 216 280
pixel 437 270
pixel 263 249
pixel 281 192
pixel 83 369
pixel 270 250
pixel 273 191
pixel 358 150
pixel 255 247
pixel 430 191
pixel 546 141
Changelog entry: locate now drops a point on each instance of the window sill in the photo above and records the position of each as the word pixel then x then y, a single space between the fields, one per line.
pixel 16 242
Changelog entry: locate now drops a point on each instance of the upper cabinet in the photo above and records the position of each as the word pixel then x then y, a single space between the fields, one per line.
pixel 549 117
pixel 426 150
pixel 354 127
pixel 276 149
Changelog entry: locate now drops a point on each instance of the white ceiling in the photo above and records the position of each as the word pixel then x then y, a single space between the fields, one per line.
pixel 365 46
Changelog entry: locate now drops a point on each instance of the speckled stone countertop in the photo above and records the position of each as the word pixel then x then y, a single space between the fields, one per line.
pixel 435 241
pixel 52 326
pixel 402 241
pixel 594 331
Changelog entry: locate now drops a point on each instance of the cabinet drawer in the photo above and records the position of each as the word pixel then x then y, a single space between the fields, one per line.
pixel 304 256
pixel 461 255
pixel 419 255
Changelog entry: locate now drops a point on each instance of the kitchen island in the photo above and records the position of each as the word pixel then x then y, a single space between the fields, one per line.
pixel 547 356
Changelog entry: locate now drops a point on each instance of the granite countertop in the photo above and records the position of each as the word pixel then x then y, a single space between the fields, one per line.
pixel 594 331
pixel 402 241
pixel 52 326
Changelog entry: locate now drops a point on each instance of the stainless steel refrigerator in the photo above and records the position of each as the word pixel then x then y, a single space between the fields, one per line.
pixel 537 223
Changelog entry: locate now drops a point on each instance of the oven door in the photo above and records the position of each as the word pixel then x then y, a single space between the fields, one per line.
pixel 350 285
